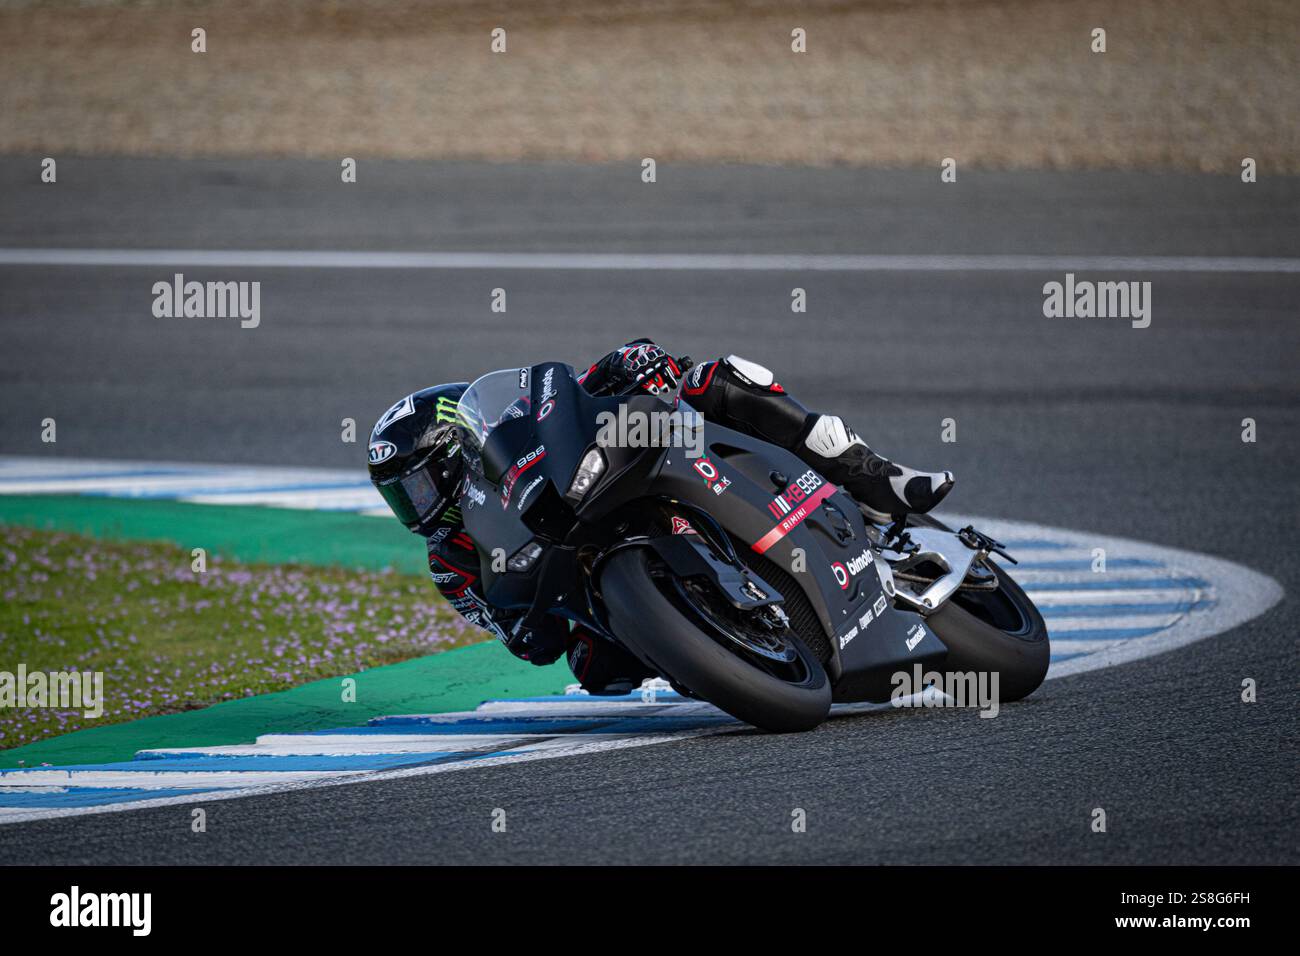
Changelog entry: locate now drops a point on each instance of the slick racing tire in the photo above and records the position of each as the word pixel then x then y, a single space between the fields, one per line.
pixel 993 631
pixel 656 623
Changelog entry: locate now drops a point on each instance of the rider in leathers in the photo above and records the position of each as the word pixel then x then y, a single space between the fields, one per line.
pixel 415 463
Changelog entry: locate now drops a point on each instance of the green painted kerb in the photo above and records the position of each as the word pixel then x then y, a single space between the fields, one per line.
pixel 454 680
pixel 248 533
pixel 459 679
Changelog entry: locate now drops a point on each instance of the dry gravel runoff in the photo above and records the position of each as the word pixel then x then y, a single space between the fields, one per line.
pixel 1190 84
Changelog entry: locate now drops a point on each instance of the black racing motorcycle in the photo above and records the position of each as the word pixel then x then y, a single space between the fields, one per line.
pixel 723 562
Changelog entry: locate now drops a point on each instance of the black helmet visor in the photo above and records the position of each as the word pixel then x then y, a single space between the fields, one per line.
pixel 412 496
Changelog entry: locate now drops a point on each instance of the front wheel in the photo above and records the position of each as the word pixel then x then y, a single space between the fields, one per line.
pixel 764 676
pixel 993 631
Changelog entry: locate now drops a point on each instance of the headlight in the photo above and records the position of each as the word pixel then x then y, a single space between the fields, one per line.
pixel 593 465
pixel 523 558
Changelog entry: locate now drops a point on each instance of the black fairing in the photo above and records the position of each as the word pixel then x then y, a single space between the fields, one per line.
pixel 803 525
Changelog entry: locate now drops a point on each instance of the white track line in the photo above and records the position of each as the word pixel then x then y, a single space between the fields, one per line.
pixel 585 261
pixel 572 747
pixel 589 706
pixel 1072 646
pixel 164 780
pixel 360 499
pixel 1117 597
pixel 1111 622
pixel 320 745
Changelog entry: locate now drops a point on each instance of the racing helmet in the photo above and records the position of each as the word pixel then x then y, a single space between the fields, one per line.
pixel 414 456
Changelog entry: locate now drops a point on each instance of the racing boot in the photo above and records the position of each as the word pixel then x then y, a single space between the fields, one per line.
pixel 886 490
pixel 603 668
pixel 744 395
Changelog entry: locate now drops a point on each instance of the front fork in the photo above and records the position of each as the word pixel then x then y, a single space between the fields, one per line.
pixel 959 555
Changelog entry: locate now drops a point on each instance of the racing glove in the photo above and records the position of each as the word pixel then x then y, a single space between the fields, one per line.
pixel 647 367
pixel 637 366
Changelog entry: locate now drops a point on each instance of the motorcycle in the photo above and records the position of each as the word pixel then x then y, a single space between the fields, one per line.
pixel 724 563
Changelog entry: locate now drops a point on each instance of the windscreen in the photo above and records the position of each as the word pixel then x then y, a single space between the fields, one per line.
pixel 493 399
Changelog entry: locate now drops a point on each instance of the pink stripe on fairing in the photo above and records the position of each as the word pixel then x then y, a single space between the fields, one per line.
pixel 794 519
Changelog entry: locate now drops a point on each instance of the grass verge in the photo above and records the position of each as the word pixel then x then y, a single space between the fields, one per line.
pixel 169 639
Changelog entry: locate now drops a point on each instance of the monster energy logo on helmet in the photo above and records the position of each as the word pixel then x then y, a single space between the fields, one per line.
pixel 445 409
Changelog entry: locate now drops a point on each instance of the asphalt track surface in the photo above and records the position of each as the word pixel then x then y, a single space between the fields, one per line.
pixel 1080 423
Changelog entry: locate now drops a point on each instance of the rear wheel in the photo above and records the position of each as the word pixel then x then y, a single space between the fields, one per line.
pixel 740 661
pixel 993 631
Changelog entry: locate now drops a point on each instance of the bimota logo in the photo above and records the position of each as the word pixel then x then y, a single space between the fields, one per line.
pixel 547 399
pixel 75 908
pixel 381 451
pixel 208 300
pixel 1102 300
pixel 475 495
pixel 855 567
pixel 548 385
pixel 712 477
pixel 67 690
